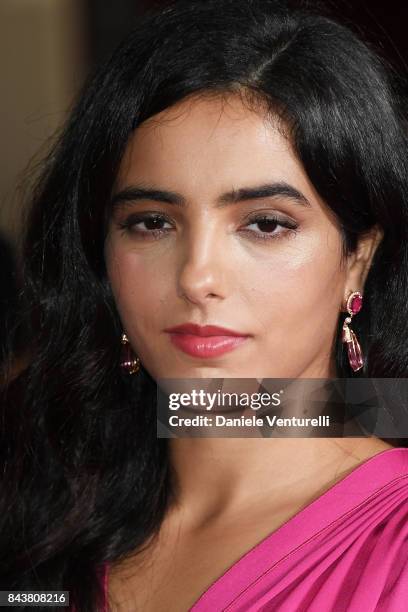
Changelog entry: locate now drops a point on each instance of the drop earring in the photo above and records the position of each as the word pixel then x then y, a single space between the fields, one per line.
pixel 129 362
pixel 355 354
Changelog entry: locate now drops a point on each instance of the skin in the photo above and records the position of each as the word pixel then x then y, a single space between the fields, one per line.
pixel 287 291
pixel 211 267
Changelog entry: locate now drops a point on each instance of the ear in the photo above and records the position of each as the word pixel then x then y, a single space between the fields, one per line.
pixel 359 262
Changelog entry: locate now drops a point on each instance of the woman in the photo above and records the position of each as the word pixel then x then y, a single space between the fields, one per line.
pixel 240 165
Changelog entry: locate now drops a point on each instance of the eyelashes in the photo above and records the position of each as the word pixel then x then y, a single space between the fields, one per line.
pixel 267 224
pixel 152 221
pixel 154 230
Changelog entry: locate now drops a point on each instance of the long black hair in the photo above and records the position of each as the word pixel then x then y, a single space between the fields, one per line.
pixel 84 478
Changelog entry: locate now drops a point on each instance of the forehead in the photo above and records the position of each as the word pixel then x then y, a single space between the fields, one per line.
pixel 211 144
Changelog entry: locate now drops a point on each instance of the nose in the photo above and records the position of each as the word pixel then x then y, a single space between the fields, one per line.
pixel 202 276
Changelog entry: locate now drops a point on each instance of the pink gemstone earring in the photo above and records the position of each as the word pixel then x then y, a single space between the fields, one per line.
pixel 355 354
pixel 129 363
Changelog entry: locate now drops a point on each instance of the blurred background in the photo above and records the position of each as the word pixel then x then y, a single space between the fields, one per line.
pixel 48 47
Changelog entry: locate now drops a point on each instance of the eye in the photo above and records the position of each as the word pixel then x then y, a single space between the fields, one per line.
pixel 152 226
pixel 146 225
pixel 267 226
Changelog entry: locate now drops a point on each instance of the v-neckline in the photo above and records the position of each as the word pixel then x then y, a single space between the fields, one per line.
pixel 304 526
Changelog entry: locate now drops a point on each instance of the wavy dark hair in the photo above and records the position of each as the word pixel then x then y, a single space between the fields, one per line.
pixel 84 478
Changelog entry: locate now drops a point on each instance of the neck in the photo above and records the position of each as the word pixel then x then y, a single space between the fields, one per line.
pixel 214 477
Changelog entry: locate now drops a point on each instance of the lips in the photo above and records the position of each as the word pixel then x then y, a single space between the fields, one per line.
pixel 205 340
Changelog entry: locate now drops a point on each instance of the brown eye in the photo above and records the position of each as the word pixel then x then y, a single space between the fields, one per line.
pixel 266 227
pixel 146 225
pixel 152 223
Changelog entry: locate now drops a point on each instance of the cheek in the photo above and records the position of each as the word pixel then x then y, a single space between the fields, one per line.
pixel 298 293
pixel 139 288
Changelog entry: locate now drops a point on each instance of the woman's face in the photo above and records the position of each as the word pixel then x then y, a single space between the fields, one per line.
pixel 214 222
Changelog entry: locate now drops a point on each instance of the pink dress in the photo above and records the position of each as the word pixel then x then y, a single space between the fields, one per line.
pixel 347 551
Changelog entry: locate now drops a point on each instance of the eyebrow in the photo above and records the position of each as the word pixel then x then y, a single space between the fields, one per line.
pixel 133 193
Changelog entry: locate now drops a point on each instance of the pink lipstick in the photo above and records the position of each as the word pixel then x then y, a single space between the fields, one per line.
pixel 205 341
